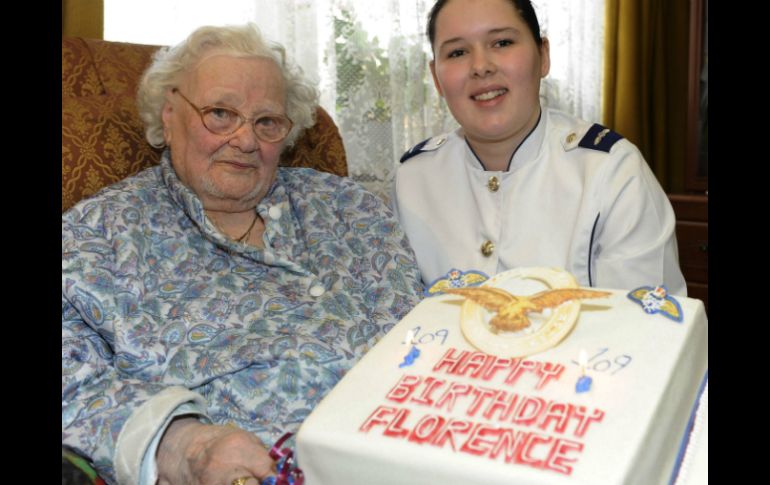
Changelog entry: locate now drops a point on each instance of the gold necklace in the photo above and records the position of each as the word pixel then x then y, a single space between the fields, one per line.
pixel 245 236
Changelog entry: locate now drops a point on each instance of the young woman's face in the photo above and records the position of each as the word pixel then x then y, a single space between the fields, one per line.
pixel 488 67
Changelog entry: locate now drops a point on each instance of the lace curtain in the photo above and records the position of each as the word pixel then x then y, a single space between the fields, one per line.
pixel 575 30
pixel 370 61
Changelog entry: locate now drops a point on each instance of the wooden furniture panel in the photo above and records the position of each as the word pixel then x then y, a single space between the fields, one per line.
pixel 692 240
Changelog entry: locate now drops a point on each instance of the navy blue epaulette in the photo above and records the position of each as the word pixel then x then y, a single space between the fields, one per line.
pixel 599 138
pixel 424 146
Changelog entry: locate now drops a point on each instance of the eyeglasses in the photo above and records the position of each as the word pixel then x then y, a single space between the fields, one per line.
pixel 219 120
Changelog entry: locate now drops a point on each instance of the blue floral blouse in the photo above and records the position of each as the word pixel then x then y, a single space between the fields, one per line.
pixel 154 297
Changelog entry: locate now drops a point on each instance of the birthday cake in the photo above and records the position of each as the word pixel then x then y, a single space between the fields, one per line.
pixel 525 379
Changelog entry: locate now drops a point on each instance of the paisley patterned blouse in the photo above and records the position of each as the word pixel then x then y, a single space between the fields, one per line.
pixel 154 297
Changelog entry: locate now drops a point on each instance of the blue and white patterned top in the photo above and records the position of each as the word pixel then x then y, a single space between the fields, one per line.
pixel 154 297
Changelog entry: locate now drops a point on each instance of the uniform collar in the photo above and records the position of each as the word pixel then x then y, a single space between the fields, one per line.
pixel 527 150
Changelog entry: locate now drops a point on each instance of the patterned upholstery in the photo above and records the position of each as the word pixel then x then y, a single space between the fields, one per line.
pixel 120 65
pixel 320 147
pixel 103 138
pixel 78 72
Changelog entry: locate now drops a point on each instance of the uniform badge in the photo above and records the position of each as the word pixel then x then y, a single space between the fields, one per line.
pixel 455 279
pixel 599 138
pixel 657 300
pixel 424 146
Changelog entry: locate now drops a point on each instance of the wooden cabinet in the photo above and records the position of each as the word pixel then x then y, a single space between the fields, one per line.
pixel 691 208
pixel 696 169
pixel 693 242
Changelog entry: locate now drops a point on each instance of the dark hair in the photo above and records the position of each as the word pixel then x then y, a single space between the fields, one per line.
pixel 524 7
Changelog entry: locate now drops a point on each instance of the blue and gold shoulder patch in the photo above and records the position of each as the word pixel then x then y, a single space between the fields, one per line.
pixel 599 138
pixel 424 146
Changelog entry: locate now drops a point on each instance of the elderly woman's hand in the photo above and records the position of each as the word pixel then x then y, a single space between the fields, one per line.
pixel 191 452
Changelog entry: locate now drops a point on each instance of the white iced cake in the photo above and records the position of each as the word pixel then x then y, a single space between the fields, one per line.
pixel 585 386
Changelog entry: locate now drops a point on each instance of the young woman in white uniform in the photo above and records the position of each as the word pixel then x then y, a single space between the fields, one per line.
pixel 517 185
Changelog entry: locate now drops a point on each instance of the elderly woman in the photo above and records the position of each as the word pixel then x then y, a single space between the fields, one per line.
pixel 210 302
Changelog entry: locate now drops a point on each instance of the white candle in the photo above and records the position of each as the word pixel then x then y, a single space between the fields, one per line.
pixel 409 337
pixel 583 360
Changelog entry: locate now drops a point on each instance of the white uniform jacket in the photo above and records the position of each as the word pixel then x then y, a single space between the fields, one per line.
pixel 575 196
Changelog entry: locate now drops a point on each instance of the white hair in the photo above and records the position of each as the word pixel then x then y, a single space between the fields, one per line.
pixel 239 41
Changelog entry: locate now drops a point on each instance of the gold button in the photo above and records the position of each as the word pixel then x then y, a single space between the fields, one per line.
pixel 571 137
pixel 493 185
pixel 488 248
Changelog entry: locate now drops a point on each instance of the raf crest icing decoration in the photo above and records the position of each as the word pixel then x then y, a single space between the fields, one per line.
pixel 511 310
pixel 657 300
pixel 455 279
pixel 512 316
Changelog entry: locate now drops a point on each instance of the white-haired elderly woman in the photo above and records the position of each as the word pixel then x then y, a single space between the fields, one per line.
pixel 208 303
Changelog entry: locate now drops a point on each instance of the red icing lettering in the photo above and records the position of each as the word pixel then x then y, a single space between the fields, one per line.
pixel 528 410
pixel 476 444
pixel 549 371
pixel 403 388
pixel 510 442
pixel 556 412
pixel 557 461
pixel 584 419
pixel 497 365
pixel 450 361
pixel 427 428
pixel 454 426
pixel 449 397
pixel 431 384
pixel 394 429
pixel 516 371
pixel 377 417
pixel 481 393
pixel 523 446
pixel 527 453
pixel 501 404
pixel 478 362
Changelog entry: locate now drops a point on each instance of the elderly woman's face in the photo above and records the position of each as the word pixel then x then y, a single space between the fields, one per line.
pixel 228 172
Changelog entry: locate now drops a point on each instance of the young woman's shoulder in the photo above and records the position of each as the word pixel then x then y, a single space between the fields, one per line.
pixel 576 133
pixel 436 145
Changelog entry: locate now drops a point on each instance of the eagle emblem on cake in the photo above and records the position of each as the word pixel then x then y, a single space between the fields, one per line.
pixel 521 312
pixel 511 310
